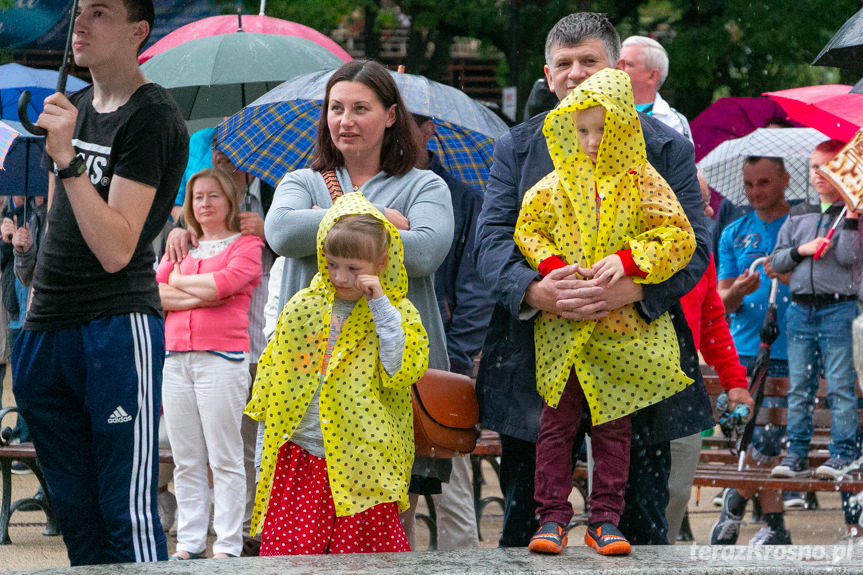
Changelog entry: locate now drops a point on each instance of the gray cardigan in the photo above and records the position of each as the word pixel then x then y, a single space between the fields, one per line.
pixel 421 196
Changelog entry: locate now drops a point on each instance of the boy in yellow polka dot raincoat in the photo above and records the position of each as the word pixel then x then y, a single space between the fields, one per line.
pixel 346 499
pixel 605 212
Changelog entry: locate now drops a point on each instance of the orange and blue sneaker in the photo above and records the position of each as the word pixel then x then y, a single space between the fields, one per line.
pixel 549 538
pixel 607 539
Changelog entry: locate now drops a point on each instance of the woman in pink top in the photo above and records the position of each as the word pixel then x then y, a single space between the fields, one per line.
pixel 206 376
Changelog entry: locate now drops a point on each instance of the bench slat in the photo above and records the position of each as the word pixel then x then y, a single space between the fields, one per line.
pixel 721 475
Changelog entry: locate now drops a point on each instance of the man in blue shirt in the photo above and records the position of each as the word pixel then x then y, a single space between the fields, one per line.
pixel 745 296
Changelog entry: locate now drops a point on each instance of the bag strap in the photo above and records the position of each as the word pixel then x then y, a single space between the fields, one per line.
pixel 333 184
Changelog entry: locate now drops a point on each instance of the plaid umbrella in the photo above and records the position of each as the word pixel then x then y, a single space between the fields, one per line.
pixel 276 133
pixel 723 167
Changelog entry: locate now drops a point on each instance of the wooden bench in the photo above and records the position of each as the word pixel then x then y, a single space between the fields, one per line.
pixel 24 453
pixel 718 466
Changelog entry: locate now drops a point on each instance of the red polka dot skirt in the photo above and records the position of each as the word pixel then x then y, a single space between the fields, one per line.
pixel 301 518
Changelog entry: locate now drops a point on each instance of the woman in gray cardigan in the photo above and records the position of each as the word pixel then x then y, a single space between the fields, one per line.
pixel 366 136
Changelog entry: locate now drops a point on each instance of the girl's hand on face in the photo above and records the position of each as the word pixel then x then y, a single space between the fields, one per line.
pixel 370 286
pixel 608 270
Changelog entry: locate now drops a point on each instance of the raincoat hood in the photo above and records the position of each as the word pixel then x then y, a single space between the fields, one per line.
pixel 622 148
pixel 394 278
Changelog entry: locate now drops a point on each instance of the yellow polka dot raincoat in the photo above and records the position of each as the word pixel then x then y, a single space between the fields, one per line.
pixel 366 415
pixel 623 363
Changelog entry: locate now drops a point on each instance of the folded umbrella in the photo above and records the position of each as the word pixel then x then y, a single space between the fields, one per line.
pixel 276 134
pixel 723 167
pixel 761 365
pixel 832 109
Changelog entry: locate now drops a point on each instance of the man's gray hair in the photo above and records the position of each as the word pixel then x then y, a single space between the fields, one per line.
pixel 653 55
pixel 580 26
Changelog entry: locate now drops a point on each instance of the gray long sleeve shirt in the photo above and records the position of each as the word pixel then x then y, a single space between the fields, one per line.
pixel 838 270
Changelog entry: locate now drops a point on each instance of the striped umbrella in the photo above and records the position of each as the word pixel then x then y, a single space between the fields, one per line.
pixel 276 133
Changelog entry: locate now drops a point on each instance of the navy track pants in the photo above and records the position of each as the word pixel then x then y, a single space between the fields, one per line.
pixel 91 395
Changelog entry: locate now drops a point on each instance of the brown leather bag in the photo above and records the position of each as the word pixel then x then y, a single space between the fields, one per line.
pixel 446 414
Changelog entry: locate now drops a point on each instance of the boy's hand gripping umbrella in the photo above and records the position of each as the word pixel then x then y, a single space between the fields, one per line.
pixel 24 99
pixel 820 251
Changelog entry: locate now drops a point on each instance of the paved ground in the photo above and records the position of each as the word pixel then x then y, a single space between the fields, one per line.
pixel 30 550
pixel 794 560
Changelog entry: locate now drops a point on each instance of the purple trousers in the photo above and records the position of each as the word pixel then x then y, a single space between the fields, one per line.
pixel 554 460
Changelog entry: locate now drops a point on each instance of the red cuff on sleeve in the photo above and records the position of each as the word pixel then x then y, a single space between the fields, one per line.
pixel 629 266
pixel 550 264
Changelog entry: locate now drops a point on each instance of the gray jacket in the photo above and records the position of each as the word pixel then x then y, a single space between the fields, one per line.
pixel 838 270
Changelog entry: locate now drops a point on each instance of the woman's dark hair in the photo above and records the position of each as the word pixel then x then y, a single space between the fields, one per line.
pixel 399 149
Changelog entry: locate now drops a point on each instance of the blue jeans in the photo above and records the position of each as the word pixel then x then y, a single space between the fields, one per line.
pixel 821 336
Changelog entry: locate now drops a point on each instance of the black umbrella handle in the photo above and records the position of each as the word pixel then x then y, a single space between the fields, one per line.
pixel 24 99
pixel 23 103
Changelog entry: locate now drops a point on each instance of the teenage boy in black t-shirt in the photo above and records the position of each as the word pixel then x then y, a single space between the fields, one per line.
pixel 88 367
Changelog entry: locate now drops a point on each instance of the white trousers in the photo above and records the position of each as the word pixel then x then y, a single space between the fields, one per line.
pixel 203 396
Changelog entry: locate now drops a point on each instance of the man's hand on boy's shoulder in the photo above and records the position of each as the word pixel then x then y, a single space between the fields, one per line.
pixel 370 286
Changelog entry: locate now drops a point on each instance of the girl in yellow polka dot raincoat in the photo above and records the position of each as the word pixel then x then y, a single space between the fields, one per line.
pixel 613 214
pixel 365 413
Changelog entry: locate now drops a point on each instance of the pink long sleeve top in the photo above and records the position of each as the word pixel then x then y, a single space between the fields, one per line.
pixel 237 271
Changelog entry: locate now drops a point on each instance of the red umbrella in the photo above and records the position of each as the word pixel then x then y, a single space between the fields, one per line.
pixel 215 25
pixel 831 109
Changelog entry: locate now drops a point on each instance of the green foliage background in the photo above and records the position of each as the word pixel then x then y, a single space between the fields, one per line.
pixel 716 47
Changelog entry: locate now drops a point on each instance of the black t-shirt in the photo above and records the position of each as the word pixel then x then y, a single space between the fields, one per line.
pixel 145 140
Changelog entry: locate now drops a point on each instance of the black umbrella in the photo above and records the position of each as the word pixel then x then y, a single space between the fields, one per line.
pixel 845 48
pixel 24 100
pixel 758 374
